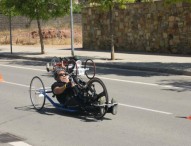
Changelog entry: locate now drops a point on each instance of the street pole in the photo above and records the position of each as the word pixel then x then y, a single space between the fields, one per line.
pixel 10 27
pixel 111 33
pixel 72 29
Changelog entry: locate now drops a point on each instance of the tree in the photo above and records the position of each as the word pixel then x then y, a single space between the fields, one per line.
pixel 37 10
pixel 108 5
pixel 8 10
pixel 176 1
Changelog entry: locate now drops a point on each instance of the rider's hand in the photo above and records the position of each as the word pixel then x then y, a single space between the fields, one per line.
pixel 72 84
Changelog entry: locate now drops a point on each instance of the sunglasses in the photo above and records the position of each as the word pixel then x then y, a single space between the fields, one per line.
pixel 63 75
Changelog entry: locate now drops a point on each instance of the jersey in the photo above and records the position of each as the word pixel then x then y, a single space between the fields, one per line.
pixel 60 97
pixel 66 97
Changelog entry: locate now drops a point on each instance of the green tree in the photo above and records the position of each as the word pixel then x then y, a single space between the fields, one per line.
pixel 176 1
pixel 37 10
pixel 108 5
pixel 6 8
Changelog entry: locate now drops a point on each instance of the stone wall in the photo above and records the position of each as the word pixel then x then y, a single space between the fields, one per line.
pixel 143 27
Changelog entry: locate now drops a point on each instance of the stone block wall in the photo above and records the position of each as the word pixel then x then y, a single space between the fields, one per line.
pixel 143 27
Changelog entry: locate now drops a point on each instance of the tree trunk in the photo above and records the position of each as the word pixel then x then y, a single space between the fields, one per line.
pixel 40 35
pixel 111 33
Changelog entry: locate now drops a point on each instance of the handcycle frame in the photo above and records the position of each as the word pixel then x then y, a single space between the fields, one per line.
pixel 42 94
pixel 97 101
pixel 56 105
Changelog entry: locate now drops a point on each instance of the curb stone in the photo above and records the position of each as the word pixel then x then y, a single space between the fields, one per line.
pixel 110 65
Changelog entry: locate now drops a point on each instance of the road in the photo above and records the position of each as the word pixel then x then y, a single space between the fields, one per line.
pixel 152 110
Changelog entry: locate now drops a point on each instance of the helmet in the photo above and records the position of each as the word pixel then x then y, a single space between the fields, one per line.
pixel 56 71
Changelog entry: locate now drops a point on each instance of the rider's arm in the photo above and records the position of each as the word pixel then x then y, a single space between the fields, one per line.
pixel 59 90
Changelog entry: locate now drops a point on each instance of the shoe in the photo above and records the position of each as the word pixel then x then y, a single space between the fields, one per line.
pixel 102 110
pixel 101 101
pixel 114 108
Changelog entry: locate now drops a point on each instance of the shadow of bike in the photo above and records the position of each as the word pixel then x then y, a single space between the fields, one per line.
pixel 49 110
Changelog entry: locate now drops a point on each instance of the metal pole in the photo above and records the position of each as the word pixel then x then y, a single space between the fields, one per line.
pixel 10 27
pixel 72 32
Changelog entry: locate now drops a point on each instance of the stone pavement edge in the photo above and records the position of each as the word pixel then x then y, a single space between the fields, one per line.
pixel 163 63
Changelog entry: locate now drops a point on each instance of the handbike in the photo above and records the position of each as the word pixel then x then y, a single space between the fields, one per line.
pixel 72 62
pixel 92 96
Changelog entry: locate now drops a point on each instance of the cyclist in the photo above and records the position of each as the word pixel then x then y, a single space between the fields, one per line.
pixel 67 92
pixel 64 89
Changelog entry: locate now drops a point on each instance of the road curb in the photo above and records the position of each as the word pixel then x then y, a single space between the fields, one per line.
pixel 25 57
pixel 110 65
pixel 151 69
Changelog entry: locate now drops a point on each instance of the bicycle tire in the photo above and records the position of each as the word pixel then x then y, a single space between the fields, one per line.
pixel 37 91
pixel 55 63
pixel 101 94
pixel 91 69
pixel 72 67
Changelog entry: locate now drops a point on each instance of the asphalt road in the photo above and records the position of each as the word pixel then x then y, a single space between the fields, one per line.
pixel 152 110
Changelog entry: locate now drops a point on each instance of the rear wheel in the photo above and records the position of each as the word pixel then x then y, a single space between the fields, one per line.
pixel 55 60
pixel 37 92
pixel 55 63
pixel 99 97
pixel 72 67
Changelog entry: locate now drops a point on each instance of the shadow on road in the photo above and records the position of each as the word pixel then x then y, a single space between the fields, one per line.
pixel 183 117
pixel 155 68
pixel 180 85
pixel 50 110
pixel 139 73
pixel 25 62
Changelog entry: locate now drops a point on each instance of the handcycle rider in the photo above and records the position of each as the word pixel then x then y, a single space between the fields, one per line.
pixel 66 91
pixel 63 88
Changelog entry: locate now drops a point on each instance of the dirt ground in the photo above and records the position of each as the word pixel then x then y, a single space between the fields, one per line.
pixel 51 36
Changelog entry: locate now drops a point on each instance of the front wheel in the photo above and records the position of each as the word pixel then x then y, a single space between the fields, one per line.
pixel 37 93
pixel 90 69
pixel 99 97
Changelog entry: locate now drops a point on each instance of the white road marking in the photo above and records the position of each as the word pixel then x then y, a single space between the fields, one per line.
pixel 142 83
pixel 48 88
pixel 119 80
pixel 16 84
pixel 141 108
pixel 121 104
pixel 27 68
pixel 19 143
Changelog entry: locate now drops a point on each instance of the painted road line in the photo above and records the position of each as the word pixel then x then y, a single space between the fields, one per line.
pixel 142 83
pixel 19 143
pixel 16 84
pixel 147 109
pixel 121 104
pixel 27 68
pixel 119 80
pixel 47 88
